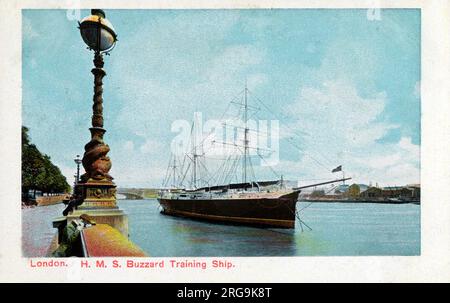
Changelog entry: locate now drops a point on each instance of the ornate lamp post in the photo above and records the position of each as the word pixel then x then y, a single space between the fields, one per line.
pixel 95 193
pixel 78 162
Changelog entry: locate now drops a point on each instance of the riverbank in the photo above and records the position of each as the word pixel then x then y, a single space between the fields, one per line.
pixel 365 201
pixel 50 200
pixel 37 229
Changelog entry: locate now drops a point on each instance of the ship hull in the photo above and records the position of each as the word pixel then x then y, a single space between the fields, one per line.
pixel 276 212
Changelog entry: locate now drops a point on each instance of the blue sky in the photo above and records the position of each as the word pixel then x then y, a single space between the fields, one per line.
pixel 348 86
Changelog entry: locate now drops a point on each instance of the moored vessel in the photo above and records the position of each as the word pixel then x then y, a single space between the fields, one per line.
pixel 249 202
pixel 235 203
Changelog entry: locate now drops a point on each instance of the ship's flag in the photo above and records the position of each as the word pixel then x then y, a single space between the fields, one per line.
pixel 339 168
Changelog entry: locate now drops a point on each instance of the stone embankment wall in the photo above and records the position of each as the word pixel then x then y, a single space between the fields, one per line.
pixel 50 200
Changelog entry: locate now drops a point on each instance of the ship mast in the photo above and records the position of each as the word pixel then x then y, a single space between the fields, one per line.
pixel 194 156
pixel 244 164
pixel 174 171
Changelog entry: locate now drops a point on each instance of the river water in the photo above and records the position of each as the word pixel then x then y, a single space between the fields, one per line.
pixel 338 229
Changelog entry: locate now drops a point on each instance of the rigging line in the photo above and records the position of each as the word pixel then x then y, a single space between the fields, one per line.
pixel 290 138
pixel 295 213
pixel 305 207
pixel 206 169
pixel 174 172
pixel 183 166
pixel 221 118
pixel 212 180
pixel 249 147
pixel 303 222
pixel 212 158
pixel 270 110
pixel 165 180
pixel 270 167
pixel 180 171
pixel 229 171
pixel 307 154
pixel 252 170
pixel 233 170
pixel 254 108
pixel 185 174
pixel 294 131
pixel 240 127
pixel 226 167
pixel 334 187
pixel 222 169
pixel 329 162
pixel 254 113
pixel 314 179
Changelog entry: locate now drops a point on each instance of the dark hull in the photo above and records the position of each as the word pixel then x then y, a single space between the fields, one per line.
pixel 265 212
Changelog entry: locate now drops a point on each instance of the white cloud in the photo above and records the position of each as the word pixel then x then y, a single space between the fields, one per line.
pixel 151 146
pixel 345 128
pixel 412 150
pixel 232 64
pixel 256 80
pixel 337 116
pixel 150 106
pixel 138 174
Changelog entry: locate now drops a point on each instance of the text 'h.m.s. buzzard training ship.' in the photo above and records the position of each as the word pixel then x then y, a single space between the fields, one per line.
pixel 190 190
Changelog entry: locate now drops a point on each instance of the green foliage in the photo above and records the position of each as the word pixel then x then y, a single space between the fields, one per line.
pixel 38 172
pixel 354 191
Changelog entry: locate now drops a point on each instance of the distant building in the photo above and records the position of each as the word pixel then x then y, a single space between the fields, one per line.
pixel 341 189
pixel 408 192
pixel 397 192
pixel 372 192
pixel 363 187
pixel 318 193
pixel 415 189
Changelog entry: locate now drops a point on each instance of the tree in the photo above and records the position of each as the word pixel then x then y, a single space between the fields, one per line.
pixel 38 172
pixel 354 191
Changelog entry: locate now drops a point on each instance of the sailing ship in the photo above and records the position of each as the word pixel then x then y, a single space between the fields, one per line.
pixel 267 203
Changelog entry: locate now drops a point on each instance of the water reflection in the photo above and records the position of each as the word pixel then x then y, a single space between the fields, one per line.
pixel 212 239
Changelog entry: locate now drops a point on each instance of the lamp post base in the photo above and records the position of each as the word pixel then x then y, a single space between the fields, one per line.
pixel 97 194
pixel 99 203
pixel 114 217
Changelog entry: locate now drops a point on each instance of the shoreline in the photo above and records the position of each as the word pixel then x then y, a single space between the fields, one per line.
pixel 359 201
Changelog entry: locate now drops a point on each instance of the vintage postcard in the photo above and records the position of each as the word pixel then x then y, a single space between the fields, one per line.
pixel 237 141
